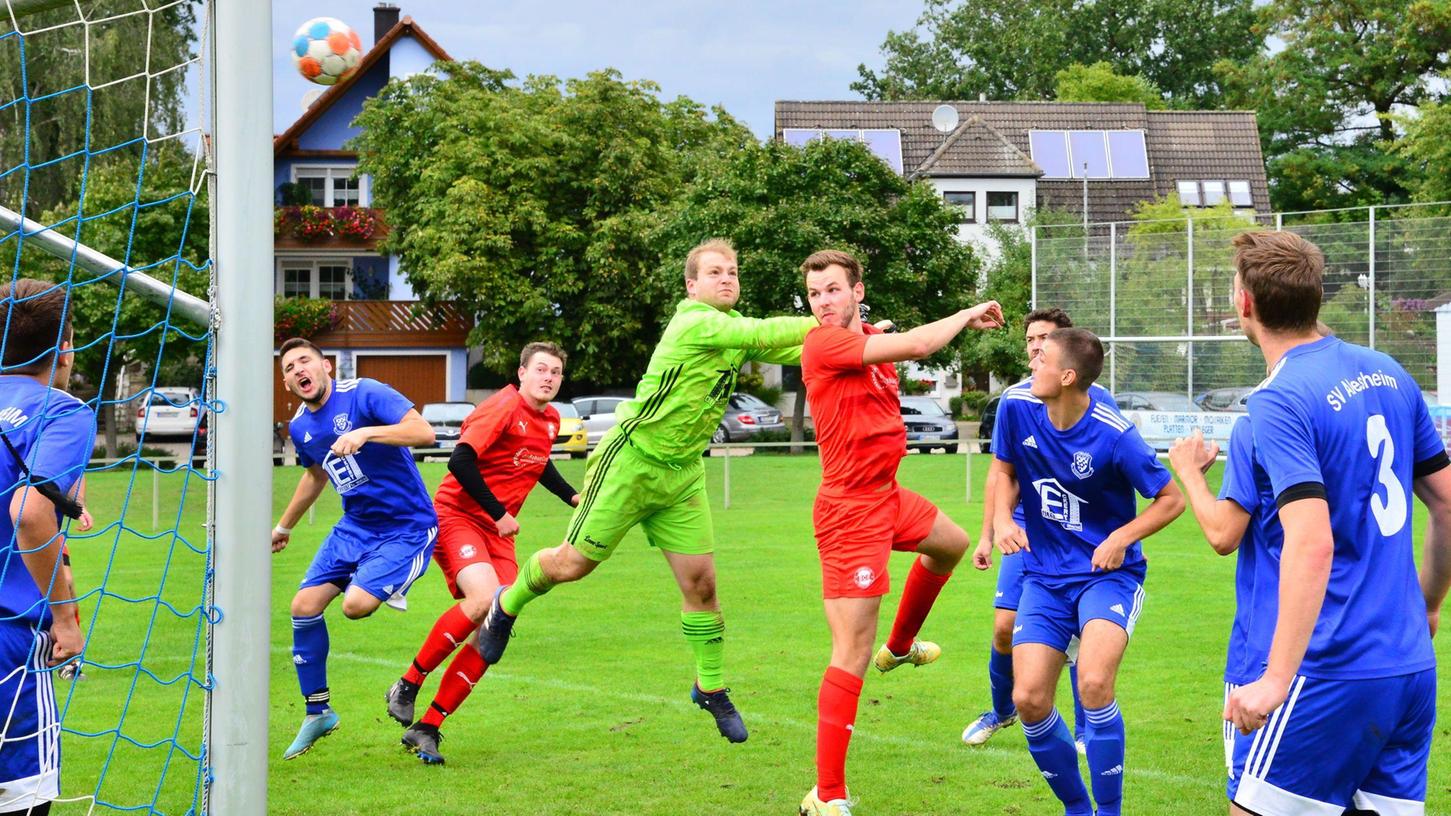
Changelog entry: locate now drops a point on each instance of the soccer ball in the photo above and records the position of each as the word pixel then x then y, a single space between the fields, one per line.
pixel 325 50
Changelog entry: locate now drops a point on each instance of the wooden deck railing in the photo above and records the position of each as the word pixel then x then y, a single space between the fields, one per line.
pixel 397 324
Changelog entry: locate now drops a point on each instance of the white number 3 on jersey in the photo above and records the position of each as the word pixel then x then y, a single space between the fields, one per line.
pixel 1390 514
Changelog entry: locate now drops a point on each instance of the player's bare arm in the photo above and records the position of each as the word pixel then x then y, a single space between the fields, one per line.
pixel 309 487
pixel 1166 506
pixel 926 340
pixel 1007 535
pixel 1304 574
pixel 1222 520
pixel 412 431
pixel 982 557
pixel 1434 491
pixel 37 539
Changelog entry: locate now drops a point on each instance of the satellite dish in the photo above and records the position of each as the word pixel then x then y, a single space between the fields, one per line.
pixel 309 98
pixel 944 118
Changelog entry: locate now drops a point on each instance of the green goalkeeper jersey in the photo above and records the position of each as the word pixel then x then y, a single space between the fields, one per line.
pixel 692 373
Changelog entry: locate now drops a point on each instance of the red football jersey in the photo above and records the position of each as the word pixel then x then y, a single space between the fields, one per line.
pixel 512 441
pixel 855 407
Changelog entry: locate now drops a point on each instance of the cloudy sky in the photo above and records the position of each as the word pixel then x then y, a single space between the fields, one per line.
pixel 744 57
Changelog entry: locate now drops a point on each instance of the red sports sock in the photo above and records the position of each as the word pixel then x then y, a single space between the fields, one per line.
pixel 458 681
pixel 917 599
pixel 453 628
pixel 835 712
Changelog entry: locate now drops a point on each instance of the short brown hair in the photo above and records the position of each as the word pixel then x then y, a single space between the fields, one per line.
pixel 299 342
pixel 1082 351
pixel 829 257
pixel 1055 315
pixel 541 347
pixel 692 261
pixel 1283 273
pixel 36 320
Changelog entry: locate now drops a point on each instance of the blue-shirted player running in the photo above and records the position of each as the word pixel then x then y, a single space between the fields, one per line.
pixel 1343 711
pixel 356 434
pixel 1077 464
pixel 1036 325
pixel 47 436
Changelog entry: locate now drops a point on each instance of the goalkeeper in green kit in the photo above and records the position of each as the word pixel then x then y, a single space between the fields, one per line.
pixel 647 470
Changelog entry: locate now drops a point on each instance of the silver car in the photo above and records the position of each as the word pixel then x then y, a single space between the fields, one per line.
pixel 447 419
pixel 598 414
pixel 746 416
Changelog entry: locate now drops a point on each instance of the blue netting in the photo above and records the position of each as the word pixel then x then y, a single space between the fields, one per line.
pixel 133 727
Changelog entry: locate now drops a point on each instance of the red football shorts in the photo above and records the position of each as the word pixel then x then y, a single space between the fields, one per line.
pixel 856 532
pixel 464 540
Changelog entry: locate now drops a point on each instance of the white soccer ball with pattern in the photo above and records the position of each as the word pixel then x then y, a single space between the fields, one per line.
pixel 325 50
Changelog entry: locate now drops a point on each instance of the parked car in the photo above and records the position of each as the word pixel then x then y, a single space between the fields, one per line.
pixel 928 425
pixel 169 412
pixel 1226 399
pixel 571 437
pixel 745 416
pixel 447 419
pixel 1172 401
pixel 989 420
pixel 598 414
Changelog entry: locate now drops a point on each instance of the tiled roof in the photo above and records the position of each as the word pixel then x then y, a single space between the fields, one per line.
pixel 993 141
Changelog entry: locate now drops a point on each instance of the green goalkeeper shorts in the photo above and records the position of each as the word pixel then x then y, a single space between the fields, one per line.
pixel 623 488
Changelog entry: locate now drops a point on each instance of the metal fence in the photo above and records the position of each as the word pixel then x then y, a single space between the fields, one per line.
pixel 1158 292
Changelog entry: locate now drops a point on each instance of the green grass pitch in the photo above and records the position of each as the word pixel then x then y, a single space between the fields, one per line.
pixel 589 711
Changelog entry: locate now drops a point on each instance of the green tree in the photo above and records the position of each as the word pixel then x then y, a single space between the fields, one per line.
pixel 46 110
pixel 778 204
pixel 1009 49
pixel 1426 147
pixel 1099 83
pixel 147 209
pixel 1326 97
pixel 530 203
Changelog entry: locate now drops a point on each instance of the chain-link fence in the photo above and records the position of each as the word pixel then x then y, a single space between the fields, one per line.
pixel 1158 292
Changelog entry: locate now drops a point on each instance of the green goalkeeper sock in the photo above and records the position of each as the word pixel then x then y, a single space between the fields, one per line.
pixel 705 632
pixel 531 583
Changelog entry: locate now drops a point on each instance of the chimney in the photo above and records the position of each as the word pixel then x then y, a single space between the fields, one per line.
pixel 385 16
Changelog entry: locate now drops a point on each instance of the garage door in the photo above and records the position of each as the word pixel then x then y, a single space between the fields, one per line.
pixel 284 402
pixel 422 378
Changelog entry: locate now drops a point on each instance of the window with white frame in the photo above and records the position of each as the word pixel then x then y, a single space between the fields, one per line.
pixel 332 186
pixel 329 279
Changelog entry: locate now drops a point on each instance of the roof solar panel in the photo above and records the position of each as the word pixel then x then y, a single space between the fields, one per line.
pixel 884 143
pixel 1127 155
pixel 1050 152
pixel 1089 154
pixel 1188 193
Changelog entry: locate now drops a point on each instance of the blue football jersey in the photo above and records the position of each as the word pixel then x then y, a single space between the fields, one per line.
pixel 1256 570
pixel 1077 486
pixel 1095 390
pixel 53 432
pixel 1337 410
pixel 379 485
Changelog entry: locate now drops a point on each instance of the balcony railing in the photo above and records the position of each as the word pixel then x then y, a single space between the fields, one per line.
pixel 396 323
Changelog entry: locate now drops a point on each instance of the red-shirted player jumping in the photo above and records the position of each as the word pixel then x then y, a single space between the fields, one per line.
pixel 861 513
pixel 507 439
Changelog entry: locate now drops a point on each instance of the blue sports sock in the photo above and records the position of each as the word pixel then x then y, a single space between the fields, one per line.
pixel 1000 680
pixel 309 655
pixel 1052 748
pixel 1106 758
pixel 1080 721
